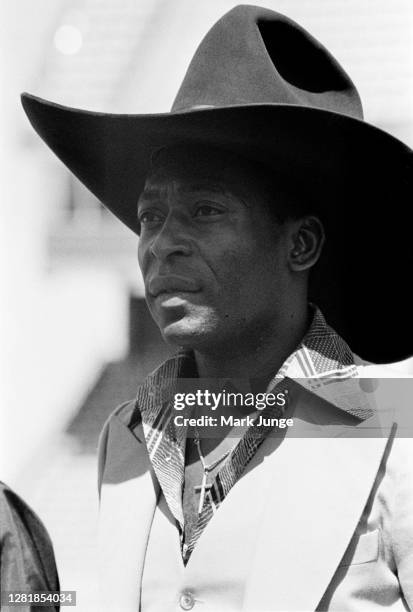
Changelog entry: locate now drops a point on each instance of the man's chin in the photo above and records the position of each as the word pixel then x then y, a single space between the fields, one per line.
pixel 188 334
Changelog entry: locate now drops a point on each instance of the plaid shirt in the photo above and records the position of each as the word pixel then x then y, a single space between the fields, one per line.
pixel 321 357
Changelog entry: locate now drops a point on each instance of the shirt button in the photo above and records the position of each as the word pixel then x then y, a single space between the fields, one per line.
pixel 187 601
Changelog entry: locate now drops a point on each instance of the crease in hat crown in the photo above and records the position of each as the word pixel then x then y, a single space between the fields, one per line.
pixel 254 55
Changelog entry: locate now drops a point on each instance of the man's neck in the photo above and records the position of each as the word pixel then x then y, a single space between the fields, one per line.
pixel 255 356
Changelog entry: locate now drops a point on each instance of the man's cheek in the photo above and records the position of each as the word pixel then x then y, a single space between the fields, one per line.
pixel 236 267
pixel 144 256
pixel 153 311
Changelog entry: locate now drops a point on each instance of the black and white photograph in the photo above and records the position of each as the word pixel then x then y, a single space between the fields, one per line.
pixel 206 314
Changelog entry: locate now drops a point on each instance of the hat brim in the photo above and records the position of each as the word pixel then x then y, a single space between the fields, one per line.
pixel 362 174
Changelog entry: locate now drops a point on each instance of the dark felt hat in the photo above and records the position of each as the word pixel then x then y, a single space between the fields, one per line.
pixel 262 86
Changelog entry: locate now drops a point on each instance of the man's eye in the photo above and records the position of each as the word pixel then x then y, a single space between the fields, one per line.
pixel 207 210
pixel 149 216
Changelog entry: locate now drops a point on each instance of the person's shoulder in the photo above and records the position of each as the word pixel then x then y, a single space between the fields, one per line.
pixel 112 434
pixel 128 412
pixel 125 420
pixel 367 369
pixel 123 412
pixel 389 389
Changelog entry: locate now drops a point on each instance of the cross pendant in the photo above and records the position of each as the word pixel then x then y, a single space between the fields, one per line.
pixel 203 488
pixel 198 488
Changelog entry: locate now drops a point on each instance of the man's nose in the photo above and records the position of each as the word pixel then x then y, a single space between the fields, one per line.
pixel 172 239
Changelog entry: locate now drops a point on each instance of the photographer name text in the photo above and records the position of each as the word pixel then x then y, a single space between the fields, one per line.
pixel 222 421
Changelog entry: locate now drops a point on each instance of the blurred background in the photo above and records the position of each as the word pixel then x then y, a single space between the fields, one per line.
pixel 76 338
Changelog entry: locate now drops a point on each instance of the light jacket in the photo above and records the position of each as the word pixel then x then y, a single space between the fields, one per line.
pixel 331 502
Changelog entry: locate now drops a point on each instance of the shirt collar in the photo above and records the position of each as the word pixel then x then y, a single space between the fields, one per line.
pixel 323 363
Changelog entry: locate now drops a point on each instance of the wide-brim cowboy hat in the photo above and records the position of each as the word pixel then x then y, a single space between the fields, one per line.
pixel 260 85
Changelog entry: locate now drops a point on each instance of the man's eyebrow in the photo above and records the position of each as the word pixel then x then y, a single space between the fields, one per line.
pixel 149 193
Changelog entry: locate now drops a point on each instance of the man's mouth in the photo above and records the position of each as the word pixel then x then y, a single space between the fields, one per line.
pixel 171 284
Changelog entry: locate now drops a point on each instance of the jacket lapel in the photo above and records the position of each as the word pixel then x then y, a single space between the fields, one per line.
pixel 320 486
pixel 128 499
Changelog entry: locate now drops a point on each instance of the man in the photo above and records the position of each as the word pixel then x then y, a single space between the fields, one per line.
pixel 263 159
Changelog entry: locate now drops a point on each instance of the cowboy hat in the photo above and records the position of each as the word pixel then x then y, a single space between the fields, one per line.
pixel 261 85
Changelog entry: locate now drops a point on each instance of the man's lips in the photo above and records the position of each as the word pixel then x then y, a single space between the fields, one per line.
pixel 171 284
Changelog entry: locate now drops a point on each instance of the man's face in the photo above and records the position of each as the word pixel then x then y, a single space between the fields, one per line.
pixel 213 259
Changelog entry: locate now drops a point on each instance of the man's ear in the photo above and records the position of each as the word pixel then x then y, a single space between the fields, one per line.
pixel 306 242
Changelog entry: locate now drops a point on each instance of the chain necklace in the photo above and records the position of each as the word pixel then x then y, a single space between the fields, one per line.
pixel 204 486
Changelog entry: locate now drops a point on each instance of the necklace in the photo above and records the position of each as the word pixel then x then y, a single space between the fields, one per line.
pixel 204 486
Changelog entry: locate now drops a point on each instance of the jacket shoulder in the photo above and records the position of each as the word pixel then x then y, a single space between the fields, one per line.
pixel 124 411
pixel 125 420
pixel 128 413
pixel 119 417
pixel 366 369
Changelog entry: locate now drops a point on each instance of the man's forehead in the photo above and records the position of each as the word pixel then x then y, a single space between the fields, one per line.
pixel 194 169
pixel 156 184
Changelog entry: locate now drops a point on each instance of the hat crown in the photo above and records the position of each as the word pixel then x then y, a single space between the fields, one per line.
pixel 257 56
